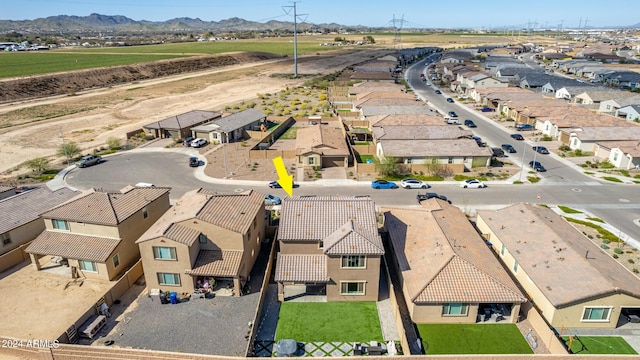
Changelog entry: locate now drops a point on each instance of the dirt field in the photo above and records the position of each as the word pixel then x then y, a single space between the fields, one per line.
pixel 34 128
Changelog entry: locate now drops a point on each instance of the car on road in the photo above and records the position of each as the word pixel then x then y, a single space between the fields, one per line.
pixel 272 200
pixel 89 160
pixel 410 183
pixel 540 149
pixel 449 100
pixel 452 120
pixel 497 152
pixel 470 123
pixel 479 141
pixel 194 161
pixel 453 114
pixel 517 137
pixel 509 148
pixel 438 91
pixel 524 127
pixel 537 166
pixel 198 142
pixel 472 184
pixel 431 195
pixel 383 184
pixel 275 185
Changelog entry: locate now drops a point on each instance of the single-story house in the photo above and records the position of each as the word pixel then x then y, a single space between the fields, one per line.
pixel 621 154
pixel 179 126
pixel 585 138
pixel 630 112
pixel 571 280
pixel 322 145
pixel 230 128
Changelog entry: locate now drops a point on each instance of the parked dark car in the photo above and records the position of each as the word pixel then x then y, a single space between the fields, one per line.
pixel 537 166
pixel 479 141
pixel 517 137
pixel 509 148
pixel 89 160
pixel 487 109
pixel 540 149
pixel 453 114
pixel 194 161
pixel 470 123
pixel 524 127
pixel 431 195
pixel 449 100
pixel 187 141
pixel 275 185
pixel 497 152
pixel 438 92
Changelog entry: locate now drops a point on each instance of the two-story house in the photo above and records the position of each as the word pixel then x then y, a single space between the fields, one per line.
pixel 329 246
pixel 95 234
pixel 207 240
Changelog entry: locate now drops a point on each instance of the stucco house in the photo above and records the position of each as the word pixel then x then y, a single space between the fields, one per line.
pixel 229 128
pixel 206 240
pixel 96 233
pixel 571 281
pixel 322 145
pixel 447 272
pixel 179 126
pixel 20 221
pixel 585 138
pixel 630 112
pixel 329 246
pixel 621 100
pixel 621 154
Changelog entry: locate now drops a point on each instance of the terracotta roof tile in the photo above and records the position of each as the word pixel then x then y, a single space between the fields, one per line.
pixel 182 234
pixel 350 239
pixel 27 206
pixel 73 246
pixel 217 263
pixel 301 268
pixel 325 140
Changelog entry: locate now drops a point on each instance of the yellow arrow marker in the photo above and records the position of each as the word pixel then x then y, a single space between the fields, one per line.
pixel 284 179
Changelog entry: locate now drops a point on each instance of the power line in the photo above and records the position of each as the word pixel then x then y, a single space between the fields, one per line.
pixel 295 33
pixel 397 27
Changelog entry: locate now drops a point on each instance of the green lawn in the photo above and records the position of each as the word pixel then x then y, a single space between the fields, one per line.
pixel 473 339
pixel 290 134
pixel 363 158
pixel 599 345
pixel 329 321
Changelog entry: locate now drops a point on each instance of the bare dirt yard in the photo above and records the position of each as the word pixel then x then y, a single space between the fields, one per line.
pixel 36 128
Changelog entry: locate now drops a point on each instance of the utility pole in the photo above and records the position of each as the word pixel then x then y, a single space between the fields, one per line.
pixel 295 34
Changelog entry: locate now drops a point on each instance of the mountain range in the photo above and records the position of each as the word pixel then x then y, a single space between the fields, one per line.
pixel 119 23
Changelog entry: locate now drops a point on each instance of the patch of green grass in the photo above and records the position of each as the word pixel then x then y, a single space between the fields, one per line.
pixel 596 219
pixel 329 321
pixel 473 339
pixel 517 182
pixel 612 179
pixel 599 345
pixel 533 179
pixel 460 177
pixel 569 210
pixel 290 134
pixel 606 234
pixel 364 158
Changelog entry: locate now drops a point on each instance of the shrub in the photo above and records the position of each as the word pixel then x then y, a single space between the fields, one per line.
pixel 114 143
pixel 564 148
pixel 604 246
pixel 615 256
pixel 631 261
pixel 612 179
pixel 635 271
pixel 617 251
pixel 606 241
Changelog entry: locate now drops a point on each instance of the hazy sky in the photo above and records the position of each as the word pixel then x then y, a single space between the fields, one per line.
pixel 374 13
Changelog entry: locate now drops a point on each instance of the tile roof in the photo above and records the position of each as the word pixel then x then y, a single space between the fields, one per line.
pixel 107 208
pixel 314 218
pixel 231 211
pixel 372 75
pixel 182 121
pixel 321 139
pixel 601 94
pixel 607 133
pixel 27 206
pixel 182 234
pixel 385 95
pixel 564 265
pixel 628 147
pixel 431 148
pixel 369 86
pixel 217 263
pixel 232 122
pixel 5 188
pixel 301 268
pixel 387 102
pixel 406 119
pixel 351 239
pixel 417 108
pixel 73 246
pixel 420 132
pixel 443 259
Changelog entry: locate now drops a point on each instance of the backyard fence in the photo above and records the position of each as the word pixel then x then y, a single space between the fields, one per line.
pixel 13 257
pixel 546 335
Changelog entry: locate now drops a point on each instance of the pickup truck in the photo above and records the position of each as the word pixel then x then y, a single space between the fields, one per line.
pixel 89 160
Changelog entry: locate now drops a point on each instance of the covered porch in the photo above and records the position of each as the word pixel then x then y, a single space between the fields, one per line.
pixel 216 272
pixel 301 278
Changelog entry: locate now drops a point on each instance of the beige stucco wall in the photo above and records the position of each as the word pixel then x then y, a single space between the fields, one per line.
pixel 370 275
pixel 301 248
pixel 102 272
pixel 23 234
pixel 185 257
pixel 429 314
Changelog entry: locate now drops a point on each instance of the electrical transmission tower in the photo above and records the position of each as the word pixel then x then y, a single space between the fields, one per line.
pixel 397 27
pixel 287 10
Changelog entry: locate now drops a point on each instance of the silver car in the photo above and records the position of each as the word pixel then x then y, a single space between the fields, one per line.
pixel 410 183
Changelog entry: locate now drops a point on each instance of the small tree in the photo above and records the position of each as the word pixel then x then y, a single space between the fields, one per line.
pixel 69 150
pixel 369 39
pixel 38 165
pixel 387 166
pixel 114 143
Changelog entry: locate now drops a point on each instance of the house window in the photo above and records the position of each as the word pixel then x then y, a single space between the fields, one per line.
pixel 354 261
pixel 145 212
pixel 203 238
pixel 516 266
pixel 116 260
pixel 312 160
pixel 255 222
pixel 596 313
pixel 454 309
pixel 164 253
pixel 60 224
pixel 450 160
pixel 169 279
pixel 409 160
pixel 352 288
pixel 321 244
pixel 615 157
pixel 88 266
pixel 503 250
pixel 6 240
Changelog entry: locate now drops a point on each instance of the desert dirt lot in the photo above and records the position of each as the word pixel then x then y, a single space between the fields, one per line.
pixel 89 118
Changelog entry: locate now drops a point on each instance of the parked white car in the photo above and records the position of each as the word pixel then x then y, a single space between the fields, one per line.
pixel 472 184
pixel 410 183
pixel 199 142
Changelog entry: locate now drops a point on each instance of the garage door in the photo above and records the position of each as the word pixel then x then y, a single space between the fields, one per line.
pixel 332 162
